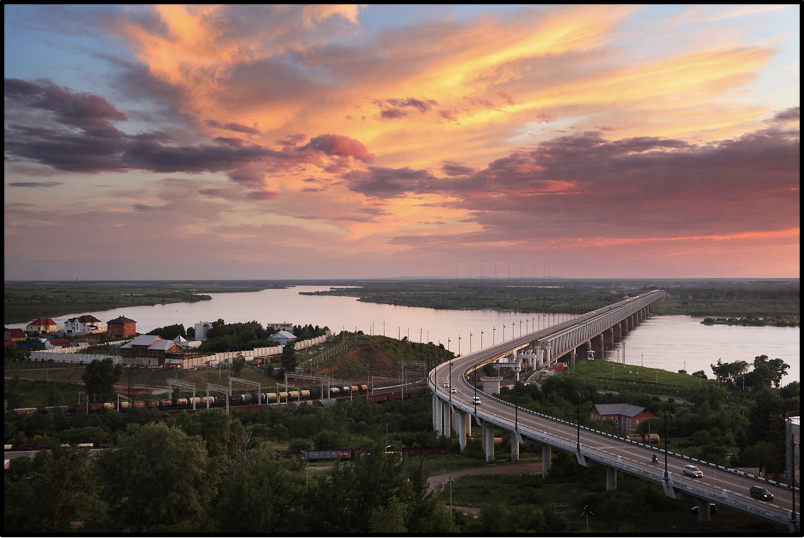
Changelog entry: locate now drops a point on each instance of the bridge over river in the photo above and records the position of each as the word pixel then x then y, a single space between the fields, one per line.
pixel 457 411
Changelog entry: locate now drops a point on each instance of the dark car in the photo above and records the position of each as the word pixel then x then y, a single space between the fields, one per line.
pixel 712 509
pixel 758 492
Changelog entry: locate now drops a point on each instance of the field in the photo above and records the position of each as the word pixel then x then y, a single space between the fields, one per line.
pixel 613 376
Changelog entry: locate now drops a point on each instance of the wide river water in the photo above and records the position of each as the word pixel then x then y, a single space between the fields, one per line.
pixel 666 342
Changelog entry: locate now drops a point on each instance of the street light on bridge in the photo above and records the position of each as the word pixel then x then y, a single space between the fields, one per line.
pixel 666 414
pixel 470 342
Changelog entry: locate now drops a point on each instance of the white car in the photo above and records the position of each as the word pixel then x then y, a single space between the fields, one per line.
pixel 453 389
pixel 446 383
pixel 476 400
pixel 693 471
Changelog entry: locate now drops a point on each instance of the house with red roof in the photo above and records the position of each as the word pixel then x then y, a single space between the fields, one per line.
pixel 625 417
pixel 42 325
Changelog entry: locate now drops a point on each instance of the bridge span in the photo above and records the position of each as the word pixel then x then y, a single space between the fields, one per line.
pixel 457 411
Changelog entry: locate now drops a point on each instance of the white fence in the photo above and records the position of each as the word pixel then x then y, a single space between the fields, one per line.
pixel 71 356
pixel 226 357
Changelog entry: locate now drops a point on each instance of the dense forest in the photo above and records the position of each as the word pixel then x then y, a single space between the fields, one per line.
pixel 215 472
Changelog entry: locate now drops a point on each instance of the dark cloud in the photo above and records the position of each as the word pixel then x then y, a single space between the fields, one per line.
pixel 143 207
pixel 34 184
pixel 585 185
pixel 262 195
pixel 77 135
pixel 90 113
pixel 455 169
pixel 393 114
pixel 333 144
pixel 292 140
pixel 389 182
pixel 789 114
pixel 392 109
pixel 233 127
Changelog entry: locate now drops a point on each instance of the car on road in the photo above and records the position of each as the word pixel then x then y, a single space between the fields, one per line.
pixel 453 389
pixel 712 509
pixel 693 471
pixel 758 492
pixel 446 383
pixel 476 400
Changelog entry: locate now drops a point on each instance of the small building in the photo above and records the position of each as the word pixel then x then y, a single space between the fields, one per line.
pixel 626 417
pixel 284 326
pixel 86 324
pixel 201 329
pixel 42 325
pixel 14 335
pixel 282 337
pixel 149 350
pixel 122 327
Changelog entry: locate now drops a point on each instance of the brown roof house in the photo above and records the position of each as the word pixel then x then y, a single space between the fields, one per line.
pixel 149 350
pixel 43 325
pixel 84 324
pixel 626 417
pixel 122 326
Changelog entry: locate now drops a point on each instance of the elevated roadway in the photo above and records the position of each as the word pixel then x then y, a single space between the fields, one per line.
pixel 457 411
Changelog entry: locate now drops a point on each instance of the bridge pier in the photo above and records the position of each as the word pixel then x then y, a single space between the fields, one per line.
pixel 445 420
pixel 611 478
pixel 514 447
pixel 703 510
pixel 436 413
pixel 460 424
pixel 488 440
pixel 547 459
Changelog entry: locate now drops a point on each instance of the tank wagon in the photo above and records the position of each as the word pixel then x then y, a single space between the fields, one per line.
pixel 213 401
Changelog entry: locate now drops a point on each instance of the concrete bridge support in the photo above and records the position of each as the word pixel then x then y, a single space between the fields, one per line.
pixel 436 413
pixel 703 510
pixel 460 425
pixel 488 440
pixel 547 460
pixel 514 447
pixel 611 478
pixel 445 420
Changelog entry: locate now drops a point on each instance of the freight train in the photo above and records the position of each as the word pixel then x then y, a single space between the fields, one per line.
pixel 218 401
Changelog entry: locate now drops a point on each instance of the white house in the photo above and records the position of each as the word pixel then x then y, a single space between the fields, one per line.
pixel 282 337
pixel 84 324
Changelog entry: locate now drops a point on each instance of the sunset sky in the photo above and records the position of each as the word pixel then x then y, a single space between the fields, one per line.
pixel 260 142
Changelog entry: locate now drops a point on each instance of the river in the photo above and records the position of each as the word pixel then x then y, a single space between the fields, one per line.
pixel 667 342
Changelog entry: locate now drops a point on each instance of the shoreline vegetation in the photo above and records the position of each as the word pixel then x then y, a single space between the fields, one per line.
pixel 774 301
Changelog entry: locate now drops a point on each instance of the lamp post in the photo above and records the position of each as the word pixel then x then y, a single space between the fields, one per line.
pixel 475 398
pixel 516 406
pixel 578 443
pixel 470 342
pixel 503 332
pixel 481 339
pixel 493 334
pixel 459 345
pixel 666 476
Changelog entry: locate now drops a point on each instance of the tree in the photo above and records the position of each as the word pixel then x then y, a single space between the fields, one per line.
pixel 289 357
pixel 99 378
pixel 159 480
pixel 46 495
pixel 238 363
pixel 259 495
